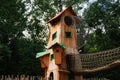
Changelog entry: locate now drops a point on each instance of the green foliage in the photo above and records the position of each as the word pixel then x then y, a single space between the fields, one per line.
pixel 17 53
pixel 104 17
pixel 49 8
pixel 11 20
pixel 27 62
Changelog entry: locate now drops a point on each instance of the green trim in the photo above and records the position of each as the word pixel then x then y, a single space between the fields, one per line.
pixel 40 54
pixel 58 43
pixel 63 46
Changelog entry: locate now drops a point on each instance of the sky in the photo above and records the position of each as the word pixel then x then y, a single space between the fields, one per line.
pixel 92 0
pixel 84 6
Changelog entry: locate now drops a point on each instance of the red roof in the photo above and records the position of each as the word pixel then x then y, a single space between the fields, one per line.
pixel 59 14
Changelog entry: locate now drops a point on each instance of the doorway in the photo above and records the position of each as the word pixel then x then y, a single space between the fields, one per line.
pixel 51 77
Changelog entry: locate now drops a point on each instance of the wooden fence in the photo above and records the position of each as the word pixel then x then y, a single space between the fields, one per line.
pixel 95 79
pixel 20 77
pixel 27 77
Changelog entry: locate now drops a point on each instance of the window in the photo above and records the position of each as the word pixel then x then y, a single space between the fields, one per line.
pixel 68 20
pixel 51 57
pixel 68 34
pixel 54 35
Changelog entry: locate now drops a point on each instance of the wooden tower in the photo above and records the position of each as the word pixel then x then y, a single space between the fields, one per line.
pixel 62 40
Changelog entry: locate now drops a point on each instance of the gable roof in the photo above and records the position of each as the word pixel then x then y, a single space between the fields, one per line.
pixel 40 54
pixel 59 44
pixel 59 14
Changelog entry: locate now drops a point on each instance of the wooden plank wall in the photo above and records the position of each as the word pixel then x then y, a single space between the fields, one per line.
pixel 53 29
pixel 69 42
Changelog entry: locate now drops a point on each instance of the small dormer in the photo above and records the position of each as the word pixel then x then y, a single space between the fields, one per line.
pixel 44 58
pixel 58 50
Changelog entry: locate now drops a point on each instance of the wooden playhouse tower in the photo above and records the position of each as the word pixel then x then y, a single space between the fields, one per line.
pixel 62 40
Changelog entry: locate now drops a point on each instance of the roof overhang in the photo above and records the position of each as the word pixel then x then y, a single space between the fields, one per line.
pixel 59 44
pixel 59 14
pixel 40 54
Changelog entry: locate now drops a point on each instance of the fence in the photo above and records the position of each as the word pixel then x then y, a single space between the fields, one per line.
pixel 20 77
pixel 27 77
pixel 95 79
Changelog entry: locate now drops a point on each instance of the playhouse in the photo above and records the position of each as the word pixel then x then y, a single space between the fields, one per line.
pixel 62 40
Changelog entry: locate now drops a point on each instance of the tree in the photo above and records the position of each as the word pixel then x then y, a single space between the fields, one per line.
pixel 17 53
pixel 12 24
pixel 49 8
pixel 27 63
pixel 104 17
